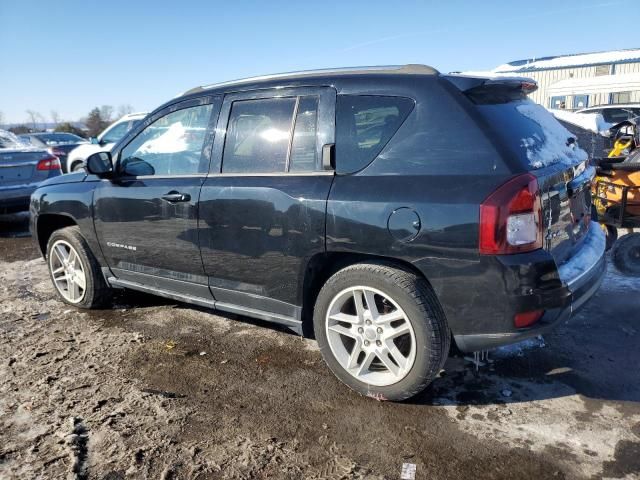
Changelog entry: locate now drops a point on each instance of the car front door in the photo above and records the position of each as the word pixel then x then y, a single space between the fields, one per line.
pixel 262 207
pixel 146 216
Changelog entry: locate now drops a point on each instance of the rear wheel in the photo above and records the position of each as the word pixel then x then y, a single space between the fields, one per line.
pixel 74 270
pixel 626 254
pixel 381 330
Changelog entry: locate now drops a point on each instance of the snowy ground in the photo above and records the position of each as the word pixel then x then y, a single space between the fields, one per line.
pixel 153 389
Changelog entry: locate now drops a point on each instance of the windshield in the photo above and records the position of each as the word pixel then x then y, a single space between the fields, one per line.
pixel 532 133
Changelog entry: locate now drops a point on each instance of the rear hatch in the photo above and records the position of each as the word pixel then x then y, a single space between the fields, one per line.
pixel 539 144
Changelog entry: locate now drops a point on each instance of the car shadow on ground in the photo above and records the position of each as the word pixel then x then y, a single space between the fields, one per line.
pixel 592 355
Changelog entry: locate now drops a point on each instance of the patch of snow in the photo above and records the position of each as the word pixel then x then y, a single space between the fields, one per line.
pixel 573 60
pixel 593 248
pixel 8 141
pixel 552 146
pixel 594 122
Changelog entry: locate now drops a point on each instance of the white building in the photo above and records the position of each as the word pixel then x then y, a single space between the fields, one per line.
pixel 581 80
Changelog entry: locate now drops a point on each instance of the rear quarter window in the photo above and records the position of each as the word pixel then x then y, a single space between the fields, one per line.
pixel 364 125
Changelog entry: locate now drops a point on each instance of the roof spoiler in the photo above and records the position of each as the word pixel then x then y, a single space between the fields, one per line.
pixel 468 82
pixel 479 87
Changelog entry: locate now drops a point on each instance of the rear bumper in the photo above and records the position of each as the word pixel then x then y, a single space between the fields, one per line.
pixel 581 278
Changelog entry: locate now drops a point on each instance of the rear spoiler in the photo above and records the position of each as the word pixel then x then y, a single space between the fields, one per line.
pixel 486 89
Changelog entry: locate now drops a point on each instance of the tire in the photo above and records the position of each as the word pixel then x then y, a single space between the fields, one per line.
pixel 626 254
pixel 394 292
pixel 96 293
pixel 76 167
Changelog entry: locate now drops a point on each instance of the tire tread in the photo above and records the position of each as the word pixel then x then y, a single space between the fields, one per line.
pixel 425 299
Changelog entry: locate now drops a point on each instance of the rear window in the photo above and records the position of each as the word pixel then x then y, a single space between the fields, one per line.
pixel 364 125
pixel 532 133
pixel 9 140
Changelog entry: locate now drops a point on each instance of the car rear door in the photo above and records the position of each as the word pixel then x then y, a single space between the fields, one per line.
pixel 146 217
pixel 262 207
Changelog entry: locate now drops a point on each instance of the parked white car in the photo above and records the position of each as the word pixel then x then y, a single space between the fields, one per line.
pixel 615 113
pixel 104 141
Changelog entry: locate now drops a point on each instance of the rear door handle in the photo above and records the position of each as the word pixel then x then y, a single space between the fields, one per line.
pixel 174 197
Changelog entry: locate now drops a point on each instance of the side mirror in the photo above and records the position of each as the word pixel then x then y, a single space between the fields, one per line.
pixel 137 167
pixel 94 140
pixel 100 164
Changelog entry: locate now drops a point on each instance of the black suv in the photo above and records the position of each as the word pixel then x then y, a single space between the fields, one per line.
pixel 388 211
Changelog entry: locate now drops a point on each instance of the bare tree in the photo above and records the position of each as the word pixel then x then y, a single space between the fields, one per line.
pixel 55 118
pixel 33 118
pixel 106 112
pixel 124 109
pixel 41 121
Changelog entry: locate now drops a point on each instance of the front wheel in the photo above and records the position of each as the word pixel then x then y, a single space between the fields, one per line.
pixel 74 270
pixel 381 330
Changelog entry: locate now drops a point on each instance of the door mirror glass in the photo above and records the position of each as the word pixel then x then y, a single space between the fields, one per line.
pixel 100 163
pixel 136 167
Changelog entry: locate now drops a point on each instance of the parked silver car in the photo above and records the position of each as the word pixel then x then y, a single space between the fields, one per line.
pixel 22 169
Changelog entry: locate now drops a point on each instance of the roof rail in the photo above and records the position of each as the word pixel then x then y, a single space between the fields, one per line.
pixel 411 69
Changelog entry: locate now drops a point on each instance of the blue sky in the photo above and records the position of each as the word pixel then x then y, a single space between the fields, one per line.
pixel 70 56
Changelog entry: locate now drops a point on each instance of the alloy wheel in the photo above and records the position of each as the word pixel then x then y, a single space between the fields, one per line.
pixel 370 336
pixel 67 271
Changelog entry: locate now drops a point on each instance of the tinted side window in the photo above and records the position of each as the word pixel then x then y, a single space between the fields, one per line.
pixel 303 146
pixel 172 145
pixel 258 135
pixel 364 125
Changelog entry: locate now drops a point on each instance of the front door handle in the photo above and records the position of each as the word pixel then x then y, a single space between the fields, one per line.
pixel 174 197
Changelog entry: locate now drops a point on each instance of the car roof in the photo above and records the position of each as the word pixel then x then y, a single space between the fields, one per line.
pixel 132 116
pixel 264 80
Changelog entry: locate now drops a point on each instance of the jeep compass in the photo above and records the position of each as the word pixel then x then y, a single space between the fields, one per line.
pixel 387 211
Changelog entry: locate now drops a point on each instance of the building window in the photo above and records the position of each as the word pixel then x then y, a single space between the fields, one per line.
pixel 558 103
pixel 620 97
pixel 602 70
pixel 580 101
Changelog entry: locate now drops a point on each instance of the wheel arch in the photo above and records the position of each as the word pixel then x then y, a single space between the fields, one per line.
pixel 323 265
pixel 48 223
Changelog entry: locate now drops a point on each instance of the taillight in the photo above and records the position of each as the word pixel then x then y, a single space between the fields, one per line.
pixel 49 163
pixel 511 218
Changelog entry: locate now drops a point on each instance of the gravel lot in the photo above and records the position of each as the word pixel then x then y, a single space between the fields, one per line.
pixel 155 389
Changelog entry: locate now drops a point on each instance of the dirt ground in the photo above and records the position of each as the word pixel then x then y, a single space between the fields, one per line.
pixel 155 389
